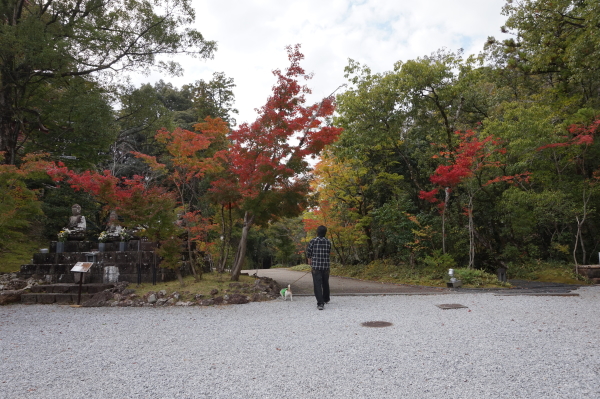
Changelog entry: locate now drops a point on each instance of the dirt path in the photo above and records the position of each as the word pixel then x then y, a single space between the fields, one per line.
pixel 302 284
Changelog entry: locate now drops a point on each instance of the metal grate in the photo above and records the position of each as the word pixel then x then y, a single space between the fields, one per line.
pixel 376 324
pixel 451 306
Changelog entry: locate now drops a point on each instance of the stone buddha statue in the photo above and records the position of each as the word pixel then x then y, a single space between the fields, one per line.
pixel 114 229
pixel 77 225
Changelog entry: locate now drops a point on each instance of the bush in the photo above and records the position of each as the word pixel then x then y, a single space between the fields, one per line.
pixel 438 264
pixel 477 278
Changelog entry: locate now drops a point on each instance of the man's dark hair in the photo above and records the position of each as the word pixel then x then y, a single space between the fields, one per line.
pixel 321 231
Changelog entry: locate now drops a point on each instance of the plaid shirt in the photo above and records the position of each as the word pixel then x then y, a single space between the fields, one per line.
pixel 318 251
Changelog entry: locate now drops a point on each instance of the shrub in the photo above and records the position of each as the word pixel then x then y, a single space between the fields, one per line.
pixel 477 278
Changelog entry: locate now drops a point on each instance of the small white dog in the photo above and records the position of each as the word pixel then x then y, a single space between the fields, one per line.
pixel 286 292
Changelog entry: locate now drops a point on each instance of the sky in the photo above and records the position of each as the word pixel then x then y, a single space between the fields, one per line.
pixel 251 36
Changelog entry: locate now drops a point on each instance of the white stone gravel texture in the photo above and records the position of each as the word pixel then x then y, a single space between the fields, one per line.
pixel 498 347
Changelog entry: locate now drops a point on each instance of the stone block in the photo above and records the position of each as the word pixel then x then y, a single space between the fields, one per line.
pixel 111 274
pixel 589 271
pixel 46 298
pixel 38 289
pixel 61 268
pixel 456 284
pixel 29 298
pixel 60 289
pixel 128 268
pixel 74 288
pixel 28 269
pixel 85 277
pixel 64 298
pixel 39 258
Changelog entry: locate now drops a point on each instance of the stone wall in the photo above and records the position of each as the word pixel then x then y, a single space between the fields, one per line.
pixel 138 260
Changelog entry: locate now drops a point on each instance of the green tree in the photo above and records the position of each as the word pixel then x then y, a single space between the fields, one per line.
pixel 46 42
pixel 18 203
pixel 557 39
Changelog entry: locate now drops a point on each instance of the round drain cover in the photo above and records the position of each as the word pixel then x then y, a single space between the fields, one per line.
pixel 376 324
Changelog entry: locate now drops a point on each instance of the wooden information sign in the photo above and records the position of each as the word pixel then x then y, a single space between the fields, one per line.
pixel 81 267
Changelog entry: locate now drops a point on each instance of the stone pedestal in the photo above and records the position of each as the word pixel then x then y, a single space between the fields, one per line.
pixel 455 284
pixel 111 275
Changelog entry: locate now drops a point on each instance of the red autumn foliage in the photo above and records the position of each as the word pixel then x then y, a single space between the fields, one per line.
pixel 270 153
pixel 580 135
pixel 115 193
pixel 471 155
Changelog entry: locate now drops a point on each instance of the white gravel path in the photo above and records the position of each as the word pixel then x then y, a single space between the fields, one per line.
pixel 500 347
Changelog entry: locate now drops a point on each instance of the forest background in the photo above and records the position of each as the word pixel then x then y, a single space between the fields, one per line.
pixel 445 161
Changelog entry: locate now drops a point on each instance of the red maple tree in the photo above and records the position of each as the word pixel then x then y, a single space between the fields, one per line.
pixel 189 163
pixel 471 156
pixel 266 162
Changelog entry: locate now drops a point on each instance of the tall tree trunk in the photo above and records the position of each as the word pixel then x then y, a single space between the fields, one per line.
pixel 191 257
pixel 578 235
pixel 226 240
pixel 179 277
pixel 192 260
pixel 8 127
pixel 471 235
pixel 447 198
pixel 241 251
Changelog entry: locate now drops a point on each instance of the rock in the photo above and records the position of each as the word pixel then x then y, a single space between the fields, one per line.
pixel 161 301
pixel 235 285
pixel 259 297
pixel 238 299
pixel 99 299
pixel 162 293
pixel 127 291
pixel 183 303
pixel 218 300
pixel 119 287
pixel 152 298
pixel 267 286
pixel 175 295
pixel 214 292
pixel 7 297
pixel 171 301
pixel 30 283
pixel 206 302
pixel 198 296
pixel 16 284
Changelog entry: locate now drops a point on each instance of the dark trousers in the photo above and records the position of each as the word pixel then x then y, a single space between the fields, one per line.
pixel 321 285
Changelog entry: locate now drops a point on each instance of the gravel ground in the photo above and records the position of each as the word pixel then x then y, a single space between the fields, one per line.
pixel 500 347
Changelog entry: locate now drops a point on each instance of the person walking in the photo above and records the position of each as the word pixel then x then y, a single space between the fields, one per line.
pixel 317 253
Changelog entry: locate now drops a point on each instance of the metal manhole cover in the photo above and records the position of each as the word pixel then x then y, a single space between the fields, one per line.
pixel 376 324
pixel 451 306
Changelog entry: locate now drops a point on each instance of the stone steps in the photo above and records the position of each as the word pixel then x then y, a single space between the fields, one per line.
pixel 47 298
pixel 70 288
pixel 62 293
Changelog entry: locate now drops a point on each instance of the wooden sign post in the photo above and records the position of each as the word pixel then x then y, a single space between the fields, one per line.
pixel 81 267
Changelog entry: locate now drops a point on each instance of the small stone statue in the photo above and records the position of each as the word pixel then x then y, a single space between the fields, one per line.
pixel 114 229
pixel 77 225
